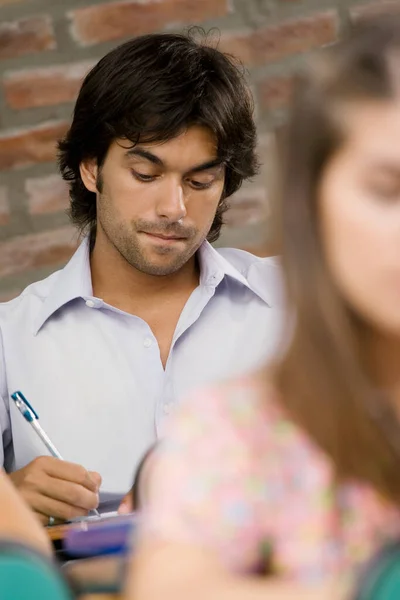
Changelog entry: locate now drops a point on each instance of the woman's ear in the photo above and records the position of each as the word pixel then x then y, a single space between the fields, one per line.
pixel 89 173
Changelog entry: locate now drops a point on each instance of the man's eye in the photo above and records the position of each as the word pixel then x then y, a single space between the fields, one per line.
pixel 143 177
pixel 200 185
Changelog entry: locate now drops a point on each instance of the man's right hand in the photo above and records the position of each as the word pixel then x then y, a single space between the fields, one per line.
pixel 56 488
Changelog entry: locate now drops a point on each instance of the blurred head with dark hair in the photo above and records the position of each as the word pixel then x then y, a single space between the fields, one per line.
pixel 162 135
pixel 340 214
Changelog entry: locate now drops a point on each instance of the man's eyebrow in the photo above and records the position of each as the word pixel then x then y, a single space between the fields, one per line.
pixel 144 154
pixel 210 164
pixel 156 160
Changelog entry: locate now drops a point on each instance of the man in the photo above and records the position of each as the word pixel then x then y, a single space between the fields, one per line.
pixel 146 310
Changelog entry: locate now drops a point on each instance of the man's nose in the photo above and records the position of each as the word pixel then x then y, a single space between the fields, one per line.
pixel 171 204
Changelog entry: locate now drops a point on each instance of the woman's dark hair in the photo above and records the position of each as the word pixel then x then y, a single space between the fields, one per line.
pixel 151 89
pixel 325 383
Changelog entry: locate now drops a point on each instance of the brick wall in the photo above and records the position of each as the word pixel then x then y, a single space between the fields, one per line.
pixel 47 46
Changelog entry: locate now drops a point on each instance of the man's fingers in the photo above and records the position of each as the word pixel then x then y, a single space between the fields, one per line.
pixel 49 507
pixel 44 519
pixel 96 478
pixel 126 505
pixel 61 469
pixel 70 493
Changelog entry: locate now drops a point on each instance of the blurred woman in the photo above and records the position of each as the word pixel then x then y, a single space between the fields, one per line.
pixel 295 473
pixel 17 521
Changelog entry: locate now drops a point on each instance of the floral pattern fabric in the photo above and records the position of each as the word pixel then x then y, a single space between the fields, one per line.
pixel 233 474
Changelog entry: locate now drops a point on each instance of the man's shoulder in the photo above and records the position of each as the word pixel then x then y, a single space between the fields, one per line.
pixel 31 298
pixel 263 274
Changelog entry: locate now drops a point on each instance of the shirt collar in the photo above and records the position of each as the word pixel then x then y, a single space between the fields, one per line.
pixel 214 267
pixel 75 279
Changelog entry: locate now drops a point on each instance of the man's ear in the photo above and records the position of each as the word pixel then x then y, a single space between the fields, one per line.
pixel 89 172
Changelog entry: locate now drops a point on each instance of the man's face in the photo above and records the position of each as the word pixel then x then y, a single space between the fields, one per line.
pixel 156 202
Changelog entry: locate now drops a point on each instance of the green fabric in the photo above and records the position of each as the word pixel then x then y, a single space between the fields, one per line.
pixel 382 579
pixel 30 578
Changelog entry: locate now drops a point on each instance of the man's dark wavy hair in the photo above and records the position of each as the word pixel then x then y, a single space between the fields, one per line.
pixel 151 89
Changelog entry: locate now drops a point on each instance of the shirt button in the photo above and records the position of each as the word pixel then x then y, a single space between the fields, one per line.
pixel 147 342
pixel 167 409
pixel 90 303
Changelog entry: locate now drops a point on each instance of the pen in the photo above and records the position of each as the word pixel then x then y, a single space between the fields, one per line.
pixel 32 417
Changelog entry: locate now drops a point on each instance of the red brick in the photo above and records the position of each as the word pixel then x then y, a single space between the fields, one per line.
pixel 46 86
pixel 251 203
pixel 275 43
pixel 46 194
pixel 25 147
pixel 114 20
pixel 4 206
pixel 248 206
pixel 372 9
pixel 275 92
pixel 26 36
pixel 36 250
pixel 4 2
pixel 263 250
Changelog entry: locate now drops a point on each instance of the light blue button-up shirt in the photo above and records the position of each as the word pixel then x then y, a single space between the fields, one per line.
pixel 93 372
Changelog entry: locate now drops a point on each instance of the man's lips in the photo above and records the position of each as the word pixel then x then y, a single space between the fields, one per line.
pixel 163 236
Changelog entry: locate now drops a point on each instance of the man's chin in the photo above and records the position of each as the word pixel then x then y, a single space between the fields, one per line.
pixel 161 260
pixel 161 268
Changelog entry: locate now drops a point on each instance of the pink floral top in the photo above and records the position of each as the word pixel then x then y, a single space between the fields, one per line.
pixel 236 476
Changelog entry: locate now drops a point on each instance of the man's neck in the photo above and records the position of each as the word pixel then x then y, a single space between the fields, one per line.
pixel 119 284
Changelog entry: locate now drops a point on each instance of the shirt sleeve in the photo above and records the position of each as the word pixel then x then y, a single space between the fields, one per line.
pixel 205 485
pixel 6 447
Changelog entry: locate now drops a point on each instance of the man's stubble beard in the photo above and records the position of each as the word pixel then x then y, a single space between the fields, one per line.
pixel 128 246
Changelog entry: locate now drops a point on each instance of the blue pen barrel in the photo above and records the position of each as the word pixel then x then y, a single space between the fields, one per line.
pixel 97 539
